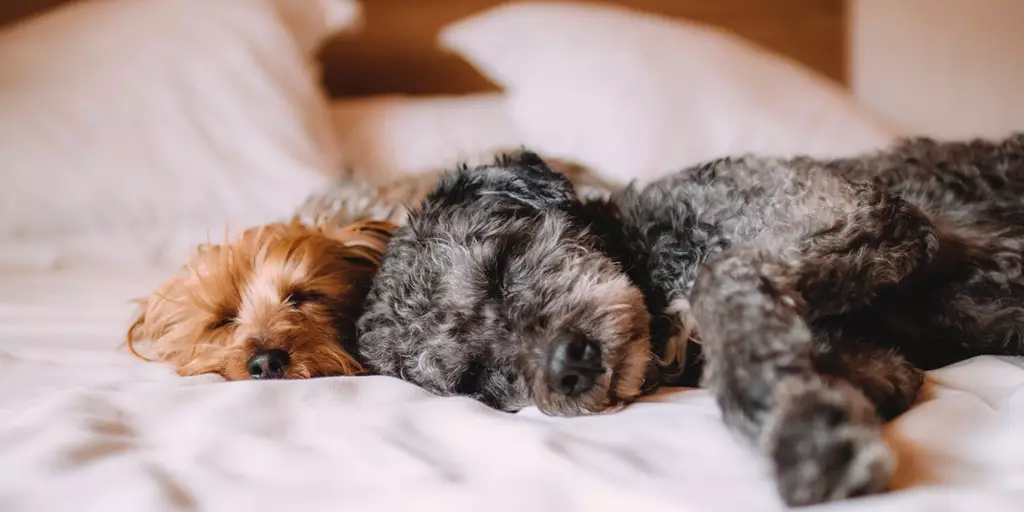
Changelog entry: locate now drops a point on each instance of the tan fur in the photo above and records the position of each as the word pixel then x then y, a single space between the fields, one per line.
pixel 288 286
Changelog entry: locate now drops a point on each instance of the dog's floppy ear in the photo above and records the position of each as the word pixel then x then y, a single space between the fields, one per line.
pixel 137 330
pixel 366 240
pixel 521 177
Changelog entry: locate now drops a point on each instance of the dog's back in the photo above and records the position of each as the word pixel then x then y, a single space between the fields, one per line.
pixel 969 299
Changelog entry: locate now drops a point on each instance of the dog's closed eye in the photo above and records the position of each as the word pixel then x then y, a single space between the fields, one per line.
pixel 224 321
pixel 299 297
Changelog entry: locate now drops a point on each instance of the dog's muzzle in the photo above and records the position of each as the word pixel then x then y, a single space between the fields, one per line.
pixel 574 366
pixel 269 364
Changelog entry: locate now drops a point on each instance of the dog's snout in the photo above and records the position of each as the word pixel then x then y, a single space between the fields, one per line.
pixel 574 366
pixel 269 364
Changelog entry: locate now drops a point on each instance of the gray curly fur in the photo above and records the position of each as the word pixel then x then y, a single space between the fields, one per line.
pixel 818 290
pixel 353 199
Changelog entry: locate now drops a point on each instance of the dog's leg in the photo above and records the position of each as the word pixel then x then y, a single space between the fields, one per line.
pixel 821 434
pixel 882 240
pixel 886 378
pixel 752 305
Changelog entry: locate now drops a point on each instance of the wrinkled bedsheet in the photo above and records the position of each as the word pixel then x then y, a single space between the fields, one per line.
pixel 84 426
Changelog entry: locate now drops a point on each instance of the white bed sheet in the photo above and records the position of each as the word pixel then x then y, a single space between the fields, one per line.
pixel 83 426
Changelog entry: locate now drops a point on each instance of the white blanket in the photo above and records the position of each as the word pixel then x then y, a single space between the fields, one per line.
pixel 84 426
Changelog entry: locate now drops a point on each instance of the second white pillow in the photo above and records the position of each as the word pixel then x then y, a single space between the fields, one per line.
pixel 636 95
pixel 386 136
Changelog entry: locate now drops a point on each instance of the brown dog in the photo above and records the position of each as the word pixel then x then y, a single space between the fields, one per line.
pixel 278 301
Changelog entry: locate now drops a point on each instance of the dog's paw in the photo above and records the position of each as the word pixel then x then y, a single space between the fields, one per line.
pixel 827 445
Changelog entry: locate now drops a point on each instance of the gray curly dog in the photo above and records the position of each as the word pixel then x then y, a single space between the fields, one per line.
pixel 815 293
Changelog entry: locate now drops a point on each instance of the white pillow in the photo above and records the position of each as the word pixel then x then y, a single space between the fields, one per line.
pixel 385 136
pixel 123 120
pixel 636 95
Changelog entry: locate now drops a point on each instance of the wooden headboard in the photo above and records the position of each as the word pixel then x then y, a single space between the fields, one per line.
pixel 396 51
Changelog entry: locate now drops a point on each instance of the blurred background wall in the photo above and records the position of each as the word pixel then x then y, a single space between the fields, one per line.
pixel 949 68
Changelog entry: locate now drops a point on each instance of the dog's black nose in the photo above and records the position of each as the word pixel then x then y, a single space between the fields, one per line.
pixel 575 365
pixel 269 364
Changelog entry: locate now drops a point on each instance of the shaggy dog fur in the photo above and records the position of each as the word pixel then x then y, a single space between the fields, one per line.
pixel 278 301
pixel 281 300
pixel 818 291
pixel 351 200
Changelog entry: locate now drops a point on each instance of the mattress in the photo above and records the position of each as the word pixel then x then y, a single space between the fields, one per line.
pixel 85 426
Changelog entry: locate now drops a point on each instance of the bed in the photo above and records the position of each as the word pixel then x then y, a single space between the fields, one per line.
pixel 129 131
